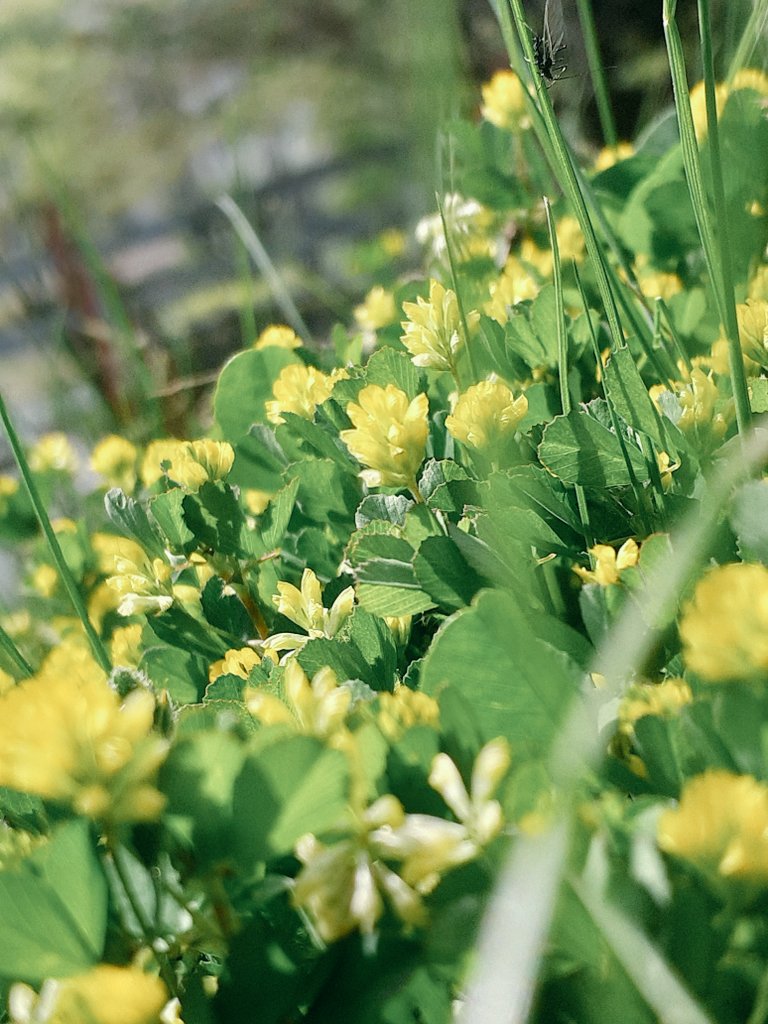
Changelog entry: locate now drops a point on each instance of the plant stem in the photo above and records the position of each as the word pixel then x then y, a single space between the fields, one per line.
pixel 597 74
pixel 65 573
pixel 718 263
pixel 13 652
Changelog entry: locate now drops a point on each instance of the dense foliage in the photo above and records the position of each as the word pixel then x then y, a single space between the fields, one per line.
pixel 486 572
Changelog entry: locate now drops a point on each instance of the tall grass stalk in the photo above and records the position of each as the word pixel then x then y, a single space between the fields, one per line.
pixel 555 143
pixel 716 253
pixel 597 72
pixel 12 651
pixel 65 574
pixel 754 32
pixel 508 962
pixel 266 267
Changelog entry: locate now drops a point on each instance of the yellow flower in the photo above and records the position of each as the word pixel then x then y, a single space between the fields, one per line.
pixel 195 463
pixel 700 410
pixel 699 107
pixel 66 737
pixel 277 336
pixel 53 452
pixel 157 454
pixel 8 487
pixel 299 389
pixel 236 663
pixel 664 700
pixel 751 78
pixel 45 580
pixel 570 240
pixel 504 102
pixel 315 708
pixel 143 586
pixel 114 458
pixel 390 435
pixel 515 285
pixel 611 155
pixel 752 316
pixel 609 563
pixel 657 284
pixel 342 884
pixel 376 310
pixel 666 468
pixel 256 501
pixel 305 607
pixel 104 995
pixel 433 331
pixel 486 414
pixel 125 646
pixel 108 547
pixel 400 626
pixel 724 628
pixel 721 826
pixel 404 709
pixel 392 241
pixel 756 289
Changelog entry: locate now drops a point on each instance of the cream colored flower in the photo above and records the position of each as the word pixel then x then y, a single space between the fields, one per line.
pixel 434 332
pixel 304 606
pixel 390 435
pixel 514 285
pixel 486 414
pixel 752 317
pixel 405 708
pixel 315 708
pixel 144 587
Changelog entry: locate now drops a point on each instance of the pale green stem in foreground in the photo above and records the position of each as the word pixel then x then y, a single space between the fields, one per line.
pixel 261 258
pixel 517 922
pixel 597 72
pixel 717 257
pixel 556 145
pixel 65 573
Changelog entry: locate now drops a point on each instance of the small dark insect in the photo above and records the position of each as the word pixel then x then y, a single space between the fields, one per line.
pixel 549 46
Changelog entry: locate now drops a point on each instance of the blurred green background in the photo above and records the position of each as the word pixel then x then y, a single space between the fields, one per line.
pixel 123 121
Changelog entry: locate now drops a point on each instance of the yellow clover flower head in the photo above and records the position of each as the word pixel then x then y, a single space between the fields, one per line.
pixel 486 414
pixel 304 606
pixel 67 737
pixel 514 285
pixel 195 463
pixel 724 628
pixel 316 707
pixel 610 155
pixel 144 587
pixel 45 580
pixel 377 309
pixel 405 708
pixel 236 662
pixel 157 457
pixel 758 284
pixel 278 336
pixel 609 563
pixel 343 885
pixel 504 102
pixel 390 435
pixel 125 646
pixel 721 826
pixel 434 331
pixel 104 995
pixel 299 389
pixel 114 458
pixel 53 452
pixel 8 487
pixel 664 700
pixel 752 317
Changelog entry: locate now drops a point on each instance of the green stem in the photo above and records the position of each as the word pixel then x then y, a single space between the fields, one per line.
pixel 457 290
pixel 555 143
pixel 754 31
pixel 718 265
pixel 148 932
pixel 597 74
pixel 562 355
pixel 13 652
pixel 65 573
